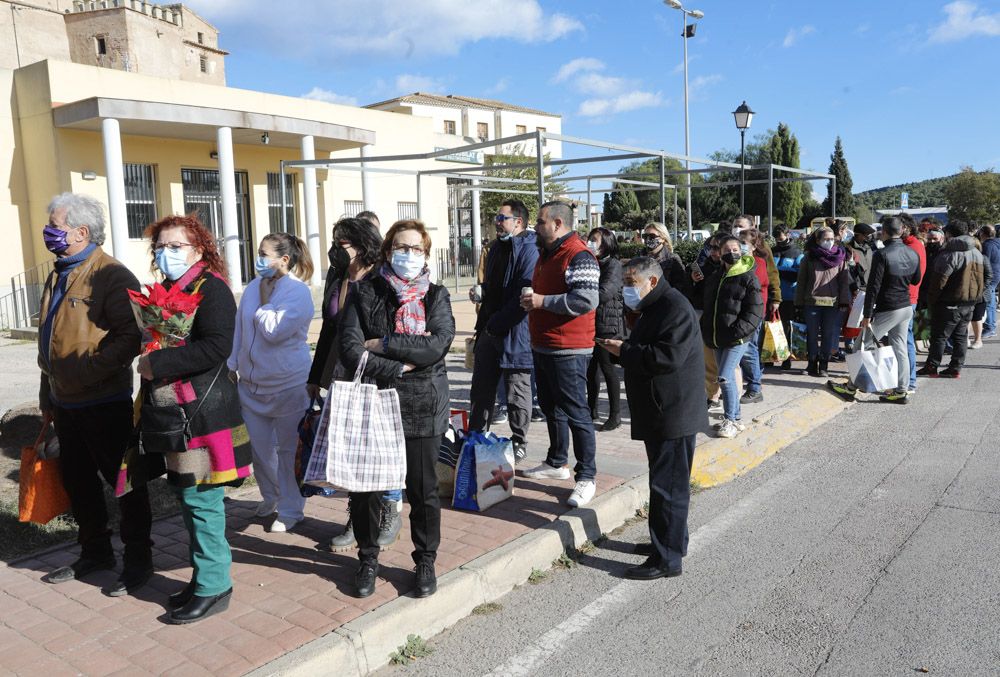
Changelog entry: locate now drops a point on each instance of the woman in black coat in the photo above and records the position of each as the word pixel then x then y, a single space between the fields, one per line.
pixel 609 324
pixel 406 325
pixel 733 311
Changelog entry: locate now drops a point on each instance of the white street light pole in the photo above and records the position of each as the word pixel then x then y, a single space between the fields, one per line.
pixel 697 14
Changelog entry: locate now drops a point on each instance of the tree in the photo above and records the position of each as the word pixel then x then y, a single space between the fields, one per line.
pixel 974 196
pixel 489 203
pixel 784 150
pixel 838 167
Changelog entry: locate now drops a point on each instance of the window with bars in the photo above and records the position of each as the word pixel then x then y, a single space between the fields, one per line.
pixel 353 207
pixel 406 210
pixel 140 198
pixel 274 202
pixel 482 131
pixel 449 126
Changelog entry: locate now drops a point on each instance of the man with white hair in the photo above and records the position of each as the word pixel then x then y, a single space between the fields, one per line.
pixel 87 340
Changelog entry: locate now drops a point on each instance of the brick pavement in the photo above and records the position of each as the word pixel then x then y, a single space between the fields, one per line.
pixel 287 592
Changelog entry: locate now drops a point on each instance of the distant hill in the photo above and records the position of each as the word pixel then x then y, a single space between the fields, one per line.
pixel 929 193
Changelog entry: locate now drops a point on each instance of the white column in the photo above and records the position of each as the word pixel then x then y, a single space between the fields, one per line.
pixel 477 227
pixel 115 172
pixel 227 194
pixel 367 197
pixel 312 213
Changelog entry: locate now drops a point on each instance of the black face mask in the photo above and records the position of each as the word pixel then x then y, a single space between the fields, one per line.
pixel 339 258
pixel 730 258
pixel 932 247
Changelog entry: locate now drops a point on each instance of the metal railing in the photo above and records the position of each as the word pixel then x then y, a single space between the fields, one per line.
pixel 456 270
pixel 26 294
pixel 7 312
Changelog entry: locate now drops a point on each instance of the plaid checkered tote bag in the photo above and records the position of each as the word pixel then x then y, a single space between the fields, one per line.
pixel 359 440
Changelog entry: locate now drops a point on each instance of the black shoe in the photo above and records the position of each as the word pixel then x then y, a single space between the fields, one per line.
pixel 593 416
pixel 650 570
pixel 537 415
pixel 499 415
pixel 179 599
pixel 752 397
pixel 893 397
pixel 838 356
pixel 389 526
pixel 812 368
pixel 427 583
pixel 644 549
pixel 949 372
pixel 928 370
pixel 132 579
pixel 612 423
pixel 821 369
pixel 78 569
pixel 520 451
pixel 786 365
pixel 199 607
pixel 364 579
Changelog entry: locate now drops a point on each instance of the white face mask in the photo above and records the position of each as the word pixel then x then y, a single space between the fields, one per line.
pixel 594 248
pixel 407 265
pixel 826 244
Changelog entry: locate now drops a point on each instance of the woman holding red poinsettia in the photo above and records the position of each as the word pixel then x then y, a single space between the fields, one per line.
pixel 189 371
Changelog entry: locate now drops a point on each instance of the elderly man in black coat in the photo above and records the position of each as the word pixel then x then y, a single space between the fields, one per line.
pixel 664 369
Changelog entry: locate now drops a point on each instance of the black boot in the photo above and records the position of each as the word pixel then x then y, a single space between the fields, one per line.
pixel 812 369
pixel 614 421
pixel 199 607
pixel 179 599
pixel 821 368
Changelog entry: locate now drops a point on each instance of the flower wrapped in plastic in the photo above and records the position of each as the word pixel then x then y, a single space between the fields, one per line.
pixel 164 315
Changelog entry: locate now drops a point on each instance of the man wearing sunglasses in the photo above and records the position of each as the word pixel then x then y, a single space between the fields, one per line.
pixel 503 347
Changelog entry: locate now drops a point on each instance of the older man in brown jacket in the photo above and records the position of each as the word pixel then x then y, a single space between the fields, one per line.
pixel 87 340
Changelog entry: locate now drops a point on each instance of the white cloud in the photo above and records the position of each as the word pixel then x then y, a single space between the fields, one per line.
pixel 500 86
pixel 600 85
pixel 407 83
pixel 698 85
pixel 583 64
pixel 384 28
pixel 325 95
pixel 622 103
pixel 901 90
pixel 964 22
pixel 796 34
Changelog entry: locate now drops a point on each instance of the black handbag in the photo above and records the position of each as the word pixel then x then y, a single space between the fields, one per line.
pixel 167 428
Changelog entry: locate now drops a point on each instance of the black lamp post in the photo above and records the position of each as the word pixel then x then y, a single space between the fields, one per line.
pixel 743 116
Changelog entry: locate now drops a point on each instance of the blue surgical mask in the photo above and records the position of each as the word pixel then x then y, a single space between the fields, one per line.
pixel 631 296
pixel 745 248
pixel 826 244
pixel 173 264
pixel 407 265
pixel 263 267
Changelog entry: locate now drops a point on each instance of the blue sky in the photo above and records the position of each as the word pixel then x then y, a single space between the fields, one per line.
pixel 912 88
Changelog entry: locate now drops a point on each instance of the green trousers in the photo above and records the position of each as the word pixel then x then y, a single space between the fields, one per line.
pixel 205 518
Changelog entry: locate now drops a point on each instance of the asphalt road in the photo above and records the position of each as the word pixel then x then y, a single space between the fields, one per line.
pixel 869 547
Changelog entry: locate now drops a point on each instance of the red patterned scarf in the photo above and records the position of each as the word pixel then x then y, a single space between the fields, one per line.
pixel 411 317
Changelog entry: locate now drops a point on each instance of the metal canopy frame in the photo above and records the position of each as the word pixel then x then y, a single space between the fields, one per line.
pixel 628 181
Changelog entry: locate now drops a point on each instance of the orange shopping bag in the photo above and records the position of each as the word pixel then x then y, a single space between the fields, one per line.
pixel 42 496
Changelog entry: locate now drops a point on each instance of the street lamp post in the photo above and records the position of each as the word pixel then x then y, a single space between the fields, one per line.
pixel 743 115
pixel 688 32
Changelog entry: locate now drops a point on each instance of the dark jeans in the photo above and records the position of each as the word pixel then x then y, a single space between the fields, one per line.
pixel 949 323
pixel 562 395
pixel 601 359
pixel 669 496
pixel 823 330
pixel 92 443
pixel 489 379
pixel 425 505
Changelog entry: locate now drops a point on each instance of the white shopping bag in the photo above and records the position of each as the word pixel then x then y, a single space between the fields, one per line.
pixel 873 371
pixel 857 311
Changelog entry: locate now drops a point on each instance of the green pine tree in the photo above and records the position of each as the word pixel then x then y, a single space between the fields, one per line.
pixel 838 167
pixel 788 200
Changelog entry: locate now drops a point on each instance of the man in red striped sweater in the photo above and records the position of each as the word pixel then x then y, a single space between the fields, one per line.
pixel 560 309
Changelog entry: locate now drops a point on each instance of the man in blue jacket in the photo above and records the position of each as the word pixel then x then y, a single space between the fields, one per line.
pixel 991 252
pixel 503 347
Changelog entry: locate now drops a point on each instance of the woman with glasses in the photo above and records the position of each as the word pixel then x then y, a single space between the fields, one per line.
pixel 656 240
pixel 195 376
pixel 405 323
pixel 822 296
pixel 271 355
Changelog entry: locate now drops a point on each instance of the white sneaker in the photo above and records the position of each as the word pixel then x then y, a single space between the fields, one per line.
pixel 281 525
pixel 265 508
pixel 582 493
pixel 547 472
pixel 730 429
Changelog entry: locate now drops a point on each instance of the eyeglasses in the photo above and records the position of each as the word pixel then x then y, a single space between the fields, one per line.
pixel 651 238
pixel 500 218
pixel 405 248
pixel 172 246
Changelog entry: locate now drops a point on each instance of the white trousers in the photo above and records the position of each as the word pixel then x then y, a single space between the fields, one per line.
pixel 274 438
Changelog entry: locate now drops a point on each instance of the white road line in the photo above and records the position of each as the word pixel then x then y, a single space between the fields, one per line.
pixel 552 642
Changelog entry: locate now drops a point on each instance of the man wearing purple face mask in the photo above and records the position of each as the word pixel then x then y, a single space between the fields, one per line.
pixel 86 343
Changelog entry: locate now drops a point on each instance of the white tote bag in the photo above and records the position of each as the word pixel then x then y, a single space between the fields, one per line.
pixel 359 443
pixel 873 371
pixel 857 311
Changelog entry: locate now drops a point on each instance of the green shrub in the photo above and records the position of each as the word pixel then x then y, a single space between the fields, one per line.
pixel 688 250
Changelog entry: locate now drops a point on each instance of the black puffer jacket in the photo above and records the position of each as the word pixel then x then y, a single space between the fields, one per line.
pixel 610 319
pixel 732 303
pixel 424 397
pixel 696 290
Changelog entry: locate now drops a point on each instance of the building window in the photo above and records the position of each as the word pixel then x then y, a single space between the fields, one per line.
pixel 540 129
pixel 449 126
pixel 406 210
pixel 521 129
pixel 353 207
pixel 201 38
pixel 274 202
pixel 204 64
pixel 482 131
pixel 140 198
pixel 101 44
